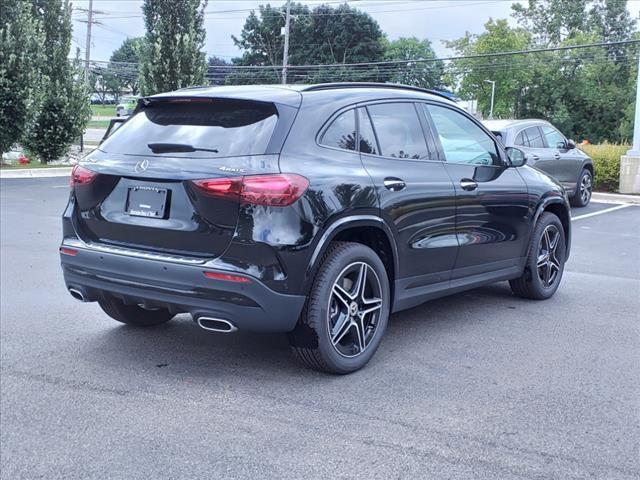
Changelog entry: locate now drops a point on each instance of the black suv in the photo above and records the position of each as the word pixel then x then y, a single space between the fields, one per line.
pixel 312 210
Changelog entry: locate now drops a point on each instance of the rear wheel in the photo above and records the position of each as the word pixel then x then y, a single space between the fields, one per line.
pixel 133 314
pixel 545 263
pixel 346 313
pixel 583 191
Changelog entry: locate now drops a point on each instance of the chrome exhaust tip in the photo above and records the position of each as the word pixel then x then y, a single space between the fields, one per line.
pixel 77 294
pixel 216 325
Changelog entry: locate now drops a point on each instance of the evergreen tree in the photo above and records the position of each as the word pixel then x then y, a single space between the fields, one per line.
pixel 172 55
pixel 19 59
pixel 61 107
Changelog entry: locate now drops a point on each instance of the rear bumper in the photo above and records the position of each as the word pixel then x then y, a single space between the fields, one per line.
pixel 181 288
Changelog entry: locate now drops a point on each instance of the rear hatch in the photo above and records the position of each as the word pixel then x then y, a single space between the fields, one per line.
pixel 145 194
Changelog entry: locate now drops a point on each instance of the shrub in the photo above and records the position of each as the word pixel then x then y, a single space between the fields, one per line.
pixel 606 163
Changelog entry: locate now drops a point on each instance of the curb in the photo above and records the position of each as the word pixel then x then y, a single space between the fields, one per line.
pixel 37 172
pixel 615 198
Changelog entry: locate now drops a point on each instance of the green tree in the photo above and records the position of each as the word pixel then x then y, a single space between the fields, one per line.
pixel 62 109
pixel 420 74
pixel 471 75
pixel 19 58
pixel 554 21
pixel 581 91
pixel 218 70
pixel 324 35
pixel 122 71
pixel 172 55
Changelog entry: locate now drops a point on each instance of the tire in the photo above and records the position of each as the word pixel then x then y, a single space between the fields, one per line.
pixel 582 197
pixel 541 280
pixel 341 325
pixel 133 314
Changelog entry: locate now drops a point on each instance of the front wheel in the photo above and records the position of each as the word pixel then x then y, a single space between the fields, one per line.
pixel 133 314
pixel 545 262
pixel 346 312
pixel 582 197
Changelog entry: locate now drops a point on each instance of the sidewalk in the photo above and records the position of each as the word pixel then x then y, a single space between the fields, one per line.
pixel 615 198
pixel 36 172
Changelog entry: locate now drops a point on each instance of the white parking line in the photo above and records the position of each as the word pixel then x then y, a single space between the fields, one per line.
pixel 600 212
pixel 60 186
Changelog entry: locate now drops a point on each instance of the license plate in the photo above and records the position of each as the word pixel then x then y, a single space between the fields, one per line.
pixel 147 202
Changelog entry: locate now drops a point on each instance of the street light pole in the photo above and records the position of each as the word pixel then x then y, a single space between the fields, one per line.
pixel 285 55
pixel 493 94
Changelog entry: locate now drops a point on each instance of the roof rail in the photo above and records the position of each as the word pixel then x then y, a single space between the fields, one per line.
pixel 195 87
pixel 336 85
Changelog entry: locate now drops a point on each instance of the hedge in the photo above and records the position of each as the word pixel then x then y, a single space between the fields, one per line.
pixel 606 163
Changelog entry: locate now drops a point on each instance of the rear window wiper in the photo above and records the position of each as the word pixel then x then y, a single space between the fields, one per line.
pixel 177 147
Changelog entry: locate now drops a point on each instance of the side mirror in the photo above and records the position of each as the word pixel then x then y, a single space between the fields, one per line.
pixel 571 144
pixel 517 157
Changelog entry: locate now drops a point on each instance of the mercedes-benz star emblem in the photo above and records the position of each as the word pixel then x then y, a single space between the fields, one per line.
pixel 141 166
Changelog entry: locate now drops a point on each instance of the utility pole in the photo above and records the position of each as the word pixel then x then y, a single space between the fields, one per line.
pixel 493 94
pixel 285 55
pixel 87 48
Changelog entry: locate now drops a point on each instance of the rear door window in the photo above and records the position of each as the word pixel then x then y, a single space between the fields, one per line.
pixel 342 132
pixel 535 137
pixel 521 140
pixel 398 130
pixel 231 127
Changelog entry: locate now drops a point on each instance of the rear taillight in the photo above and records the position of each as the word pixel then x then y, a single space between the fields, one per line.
pixel 81 176
pixel 278 190
pixel 226 277
pixel 221 187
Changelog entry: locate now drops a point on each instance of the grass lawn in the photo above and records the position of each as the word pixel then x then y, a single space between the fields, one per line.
pixel 31 165
pixel 104 110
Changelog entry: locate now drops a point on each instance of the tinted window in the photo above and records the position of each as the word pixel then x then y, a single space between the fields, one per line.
pixel 521 140
pixel 535 137
pixel 399 130
pixel 342 132
pixel 554 137
pixel 368 142
pixel 462 140
pixel 231 127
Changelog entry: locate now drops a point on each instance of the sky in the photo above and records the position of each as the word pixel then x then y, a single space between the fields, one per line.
pixel 436 20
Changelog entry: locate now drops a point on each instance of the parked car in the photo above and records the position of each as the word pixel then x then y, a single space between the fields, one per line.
pixel 126 106
pixel 550 151
pixel 312 210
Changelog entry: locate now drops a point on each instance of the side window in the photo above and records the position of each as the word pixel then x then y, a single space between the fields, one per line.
pixel 554 137
pixel 521 140
pixel 368 142
pixel 342 132
pixel 535 137
pixel 399 131
pixel 462 140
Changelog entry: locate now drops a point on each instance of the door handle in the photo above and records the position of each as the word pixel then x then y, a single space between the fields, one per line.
pixel 394 184
pixel 557 155
pixel 468 184
pixel 535 158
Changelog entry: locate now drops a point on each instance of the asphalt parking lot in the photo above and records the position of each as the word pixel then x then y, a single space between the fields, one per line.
pixel 477 385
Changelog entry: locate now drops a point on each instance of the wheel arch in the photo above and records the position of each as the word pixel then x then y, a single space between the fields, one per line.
pixel 368 230
pixel 560 209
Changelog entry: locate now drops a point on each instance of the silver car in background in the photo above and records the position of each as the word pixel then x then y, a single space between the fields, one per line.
pixel 549 150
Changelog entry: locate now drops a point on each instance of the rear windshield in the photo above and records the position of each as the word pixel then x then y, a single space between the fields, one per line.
pixel 231 127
